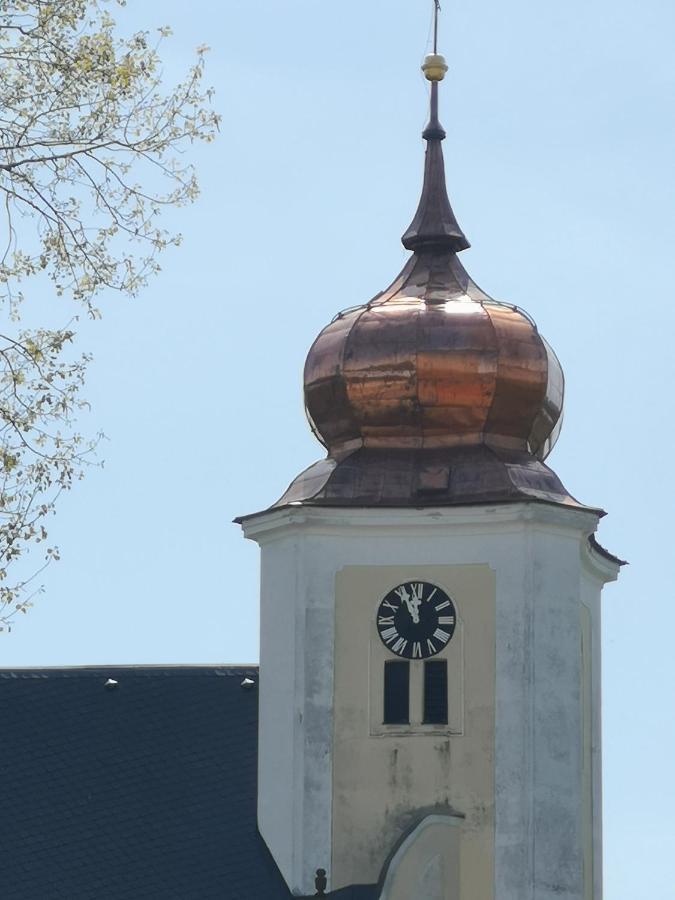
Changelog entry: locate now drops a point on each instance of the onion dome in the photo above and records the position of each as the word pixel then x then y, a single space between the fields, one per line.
pixel 432 393
pixel 433 362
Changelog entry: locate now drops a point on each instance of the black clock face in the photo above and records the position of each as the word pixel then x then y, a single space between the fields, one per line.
pixel 416 620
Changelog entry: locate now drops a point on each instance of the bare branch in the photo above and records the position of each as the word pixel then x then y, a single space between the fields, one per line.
pixel 91 151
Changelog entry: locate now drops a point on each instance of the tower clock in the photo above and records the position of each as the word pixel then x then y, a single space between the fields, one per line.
pixel 416 620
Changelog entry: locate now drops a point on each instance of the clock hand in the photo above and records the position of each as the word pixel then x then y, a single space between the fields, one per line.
pixel 412 603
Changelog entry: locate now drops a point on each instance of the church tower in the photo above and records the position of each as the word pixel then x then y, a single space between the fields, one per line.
pixel 430 602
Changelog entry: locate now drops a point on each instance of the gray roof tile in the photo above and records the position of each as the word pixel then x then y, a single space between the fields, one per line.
pixel 145 790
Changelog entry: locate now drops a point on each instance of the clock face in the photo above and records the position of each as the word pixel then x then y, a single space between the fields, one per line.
pixel 416 620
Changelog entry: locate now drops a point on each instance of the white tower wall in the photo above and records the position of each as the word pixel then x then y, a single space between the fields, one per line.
pixel 530 699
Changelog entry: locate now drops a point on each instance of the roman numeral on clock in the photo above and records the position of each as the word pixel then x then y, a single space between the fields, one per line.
pixel 417 650
pixel 387 620
pixel 441 635
pixel 389 635
pixel 442 605
pixel 400 645
pixel 446 620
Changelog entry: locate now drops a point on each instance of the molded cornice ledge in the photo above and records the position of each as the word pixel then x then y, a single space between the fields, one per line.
pixel 275 523
pixel 599 563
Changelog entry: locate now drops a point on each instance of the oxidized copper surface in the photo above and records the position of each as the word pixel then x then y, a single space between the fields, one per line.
pixel 450 476
pixel 433 362
pixel 432 394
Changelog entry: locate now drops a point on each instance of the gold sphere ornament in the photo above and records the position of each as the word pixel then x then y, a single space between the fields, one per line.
pixel 434 67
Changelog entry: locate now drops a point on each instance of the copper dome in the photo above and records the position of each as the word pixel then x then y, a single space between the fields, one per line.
pixel 432 393
pixel 433 362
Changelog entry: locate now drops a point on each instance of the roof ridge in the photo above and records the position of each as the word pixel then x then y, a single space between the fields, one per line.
pixel 146 670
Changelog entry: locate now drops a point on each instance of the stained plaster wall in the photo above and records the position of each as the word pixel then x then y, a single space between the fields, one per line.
pixel 382 781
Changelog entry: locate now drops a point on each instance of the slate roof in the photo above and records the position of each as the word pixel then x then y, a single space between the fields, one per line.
pixel 143 791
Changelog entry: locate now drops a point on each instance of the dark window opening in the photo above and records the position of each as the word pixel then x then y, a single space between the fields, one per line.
pixel 396 693
pixel 436 692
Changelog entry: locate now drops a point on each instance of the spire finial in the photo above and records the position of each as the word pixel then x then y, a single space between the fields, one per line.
pixel 434 225
pixel 435 66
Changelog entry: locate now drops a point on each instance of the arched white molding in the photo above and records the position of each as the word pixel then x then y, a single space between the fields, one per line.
pixel 426 865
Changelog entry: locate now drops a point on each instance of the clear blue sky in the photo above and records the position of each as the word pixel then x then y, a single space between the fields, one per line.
pixel 560 155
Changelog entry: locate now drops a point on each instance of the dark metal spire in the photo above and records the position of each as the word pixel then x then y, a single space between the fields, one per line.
pixel 434 226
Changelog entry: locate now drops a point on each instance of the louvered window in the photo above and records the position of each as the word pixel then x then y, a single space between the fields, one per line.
pixel 436 692
pixel 396 693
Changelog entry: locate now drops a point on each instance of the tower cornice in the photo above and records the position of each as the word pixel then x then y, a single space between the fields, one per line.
pixel 479 519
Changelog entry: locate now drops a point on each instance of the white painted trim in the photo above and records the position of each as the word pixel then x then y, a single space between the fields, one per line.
pixel 413 837
pixel 598 566
pixel 471 519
